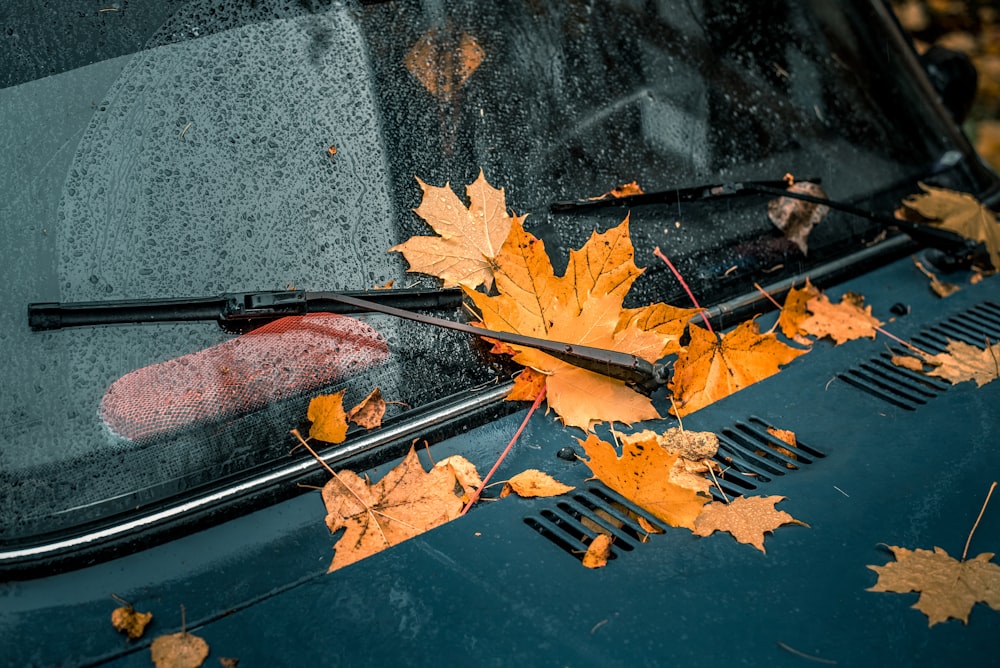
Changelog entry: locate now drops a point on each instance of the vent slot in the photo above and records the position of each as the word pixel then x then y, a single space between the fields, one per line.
pixel 750 455
pixel 907 389
pixel 594 509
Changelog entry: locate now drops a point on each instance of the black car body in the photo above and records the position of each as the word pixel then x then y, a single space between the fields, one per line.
pixel 200 148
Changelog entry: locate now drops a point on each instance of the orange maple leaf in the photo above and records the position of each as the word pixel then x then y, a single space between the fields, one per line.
pixel 645 476
pixel 746 518
pixel 470 237
pixel 406 502
pixel 794 310
pixel 713 367
pixel 584 306
pixel 844 321
pixel 329 422
pixel 948 587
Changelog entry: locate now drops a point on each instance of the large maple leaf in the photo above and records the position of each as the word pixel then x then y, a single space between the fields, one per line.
pixel 948 587
pixel 405 503
pixel 747 519
pixel 956 211
pixel 470 237
pixel 649 476
pixel 712 367
pixel 960 362
pixel 584 306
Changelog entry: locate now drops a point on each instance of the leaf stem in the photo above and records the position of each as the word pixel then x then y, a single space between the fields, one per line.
pixel 517 435
pixel 974 526
pixel 658 253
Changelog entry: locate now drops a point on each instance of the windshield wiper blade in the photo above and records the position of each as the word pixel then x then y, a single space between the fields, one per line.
pixel 926 235
pixel 233 310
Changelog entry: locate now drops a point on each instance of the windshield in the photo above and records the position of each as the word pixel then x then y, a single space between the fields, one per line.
pixel 194 149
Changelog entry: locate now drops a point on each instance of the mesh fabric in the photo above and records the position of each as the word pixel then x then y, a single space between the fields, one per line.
pixel 283 359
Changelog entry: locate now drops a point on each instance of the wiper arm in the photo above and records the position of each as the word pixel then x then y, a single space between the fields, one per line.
pixel 236 310
pixel 926 235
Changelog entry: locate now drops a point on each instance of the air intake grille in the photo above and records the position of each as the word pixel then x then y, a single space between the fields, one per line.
pixel 907 389
pixel 750 455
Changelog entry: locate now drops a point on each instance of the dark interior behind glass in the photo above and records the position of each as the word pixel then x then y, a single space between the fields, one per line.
pixel 200 164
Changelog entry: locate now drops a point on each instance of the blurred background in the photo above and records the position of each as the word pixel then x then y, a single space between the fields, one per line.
pixel 972 27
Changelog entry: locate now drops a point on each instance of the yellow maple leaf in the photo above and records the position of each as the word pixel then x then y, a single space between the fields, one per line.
pixel 746 518
pixel 794 310
pixel 948 587
pixel 643 475
pixel 584 306
pixel 956 211
pixel 469 237
pixel 713 367
pixel 329 422
pixel 406 502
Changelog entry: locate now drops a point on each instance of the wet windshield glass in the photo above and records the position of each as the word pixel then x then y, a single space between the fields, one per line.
pixel 202 148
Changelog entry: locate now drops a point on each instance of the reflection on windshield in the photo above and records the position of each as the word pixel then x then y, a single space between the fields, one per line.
pixel 202 165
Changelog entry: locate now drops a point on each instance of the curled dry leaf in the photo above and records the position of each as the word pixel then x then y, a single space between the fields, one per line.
pixel 130 621
pixel 534 483
pixel 470 237
pixel 465 473
pixel 647 477
pixel 948 588
pixel 179 650
pixel 369 411
pixel 796 218
pixel 406 502
pixel 747 519
pixel 626 190
pixel 713 367
pixel 598 552
pixel 584 306
pixel 907 362
pixel 692 445
pixel 956 211
pixel 329 422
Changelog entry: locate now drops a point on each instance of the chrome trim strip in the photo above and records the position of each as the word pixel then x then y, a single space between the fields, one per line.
pixel 358 446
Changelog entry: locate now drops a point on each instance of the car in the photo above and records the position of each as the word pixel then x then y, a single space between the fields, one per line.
pixel 196 195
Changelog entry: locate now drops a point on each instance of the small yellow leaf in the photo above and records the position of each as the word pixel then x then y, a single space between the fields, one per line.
pixel 534 483
pixel 329 423
pixel 598 552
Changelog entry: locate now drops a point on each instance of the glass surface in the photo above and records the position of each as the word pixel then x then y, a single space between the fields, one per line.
pixel 185 152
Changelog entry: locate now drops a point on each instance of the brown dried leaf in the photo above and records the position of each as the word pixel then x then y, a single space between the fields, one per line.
pixel 179 650
pixel 963 361
pixel 747 519
pixel 796 218
pixel 598 552
pixel 625 190
pixel 405 503
pixel 692 445
pixel 369 411
pixel 644 475
pixel 470 237
pixel 533 482
pixel 948 588
pixel 712 367
pixel 842 322
pixel 907 362
pixel 329 423
pixel 130 621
